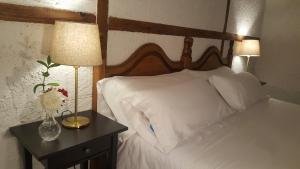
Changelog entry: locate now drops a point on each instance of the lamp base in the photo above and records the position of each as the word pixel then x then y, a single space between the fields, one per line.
pixel 72 124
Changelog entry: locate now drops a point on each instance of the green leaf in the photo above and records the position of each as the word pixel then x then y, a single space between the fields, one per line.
pixel 49 60
pixel 36 86
pixel 43 63
pixel 52 84
pixel 54 65
pixel 46 74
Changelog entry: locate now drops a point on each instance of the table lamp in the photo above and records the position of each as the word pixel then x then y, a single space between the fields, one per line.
pixel 76 44
pixel 249 48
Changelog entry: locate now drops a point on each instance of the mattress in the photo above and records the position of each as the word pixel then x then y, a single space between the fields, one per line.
pixel 266 136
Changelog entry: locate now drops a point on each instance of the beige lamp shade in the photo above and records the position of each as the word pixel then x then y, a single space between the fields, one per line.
pixel 247 48
pixel 76 44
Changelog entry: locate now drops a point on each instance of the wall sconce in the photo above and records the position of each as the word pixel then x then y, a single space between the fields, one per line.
pixel 249 48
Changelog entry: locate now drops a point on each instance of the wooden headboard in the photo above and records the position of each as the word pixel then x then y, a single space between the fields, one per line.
pixel 150 59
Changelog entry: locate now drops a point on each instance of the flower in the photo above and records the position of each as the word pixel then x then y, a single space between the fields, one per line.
pixel 51 100
pixel 63 91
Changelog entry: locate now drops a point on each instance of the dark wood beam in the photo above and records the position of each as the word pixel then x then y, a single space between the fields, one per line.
pixel 227 15
pixel 99 71
pixel 121 24
pixel 225 24
pixel 20 13
pixel 102 20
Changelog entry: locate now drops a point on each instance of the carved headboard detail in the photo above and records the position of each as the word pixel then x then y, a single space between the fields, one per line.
pixel 149 59
pixel 211 59
pixel 186 57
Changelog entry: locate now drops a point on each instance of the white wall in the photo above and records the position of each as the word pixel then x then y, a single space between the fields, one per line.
pixel 280 61
pixel 21 44
pixel 203 14
pixel 245 18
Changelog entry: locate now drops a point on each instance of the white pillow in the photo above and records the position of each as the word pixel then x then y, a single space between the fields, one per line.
pixel 221 71
pixel 102 106
pixel 141 124
pixel 110 90
pixel 239 90
pixel 114 89
pixel 179 111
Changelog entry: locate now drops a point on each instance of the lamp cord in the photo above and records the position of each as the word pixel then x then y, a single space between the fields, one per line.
pixel 62 114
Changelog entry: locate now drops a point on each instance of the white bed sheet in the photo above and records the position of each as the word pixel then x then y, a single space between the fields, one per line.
pixel 136 153
pixel 267 136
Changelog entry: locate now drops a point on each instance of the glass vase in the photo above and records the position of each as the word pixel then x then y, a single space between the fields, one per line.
pixel 50 129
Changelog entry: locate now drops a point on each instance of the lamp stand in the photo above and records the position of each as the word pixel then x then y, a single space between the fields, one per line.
pixel 76 121
pixel 248 59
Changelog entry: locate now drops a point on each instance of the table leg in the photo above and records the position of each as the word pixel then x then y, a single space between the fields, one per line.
pixel 27 159
pixel 113 153
pixel 84 165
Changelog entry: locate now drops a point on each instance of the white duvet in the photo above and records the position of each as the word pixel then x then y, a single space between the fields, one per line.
pixel 266 136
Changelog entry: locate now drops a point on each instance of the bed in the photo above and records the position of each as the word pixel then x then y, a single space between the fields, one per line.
pixel 257 139
pixel 262 135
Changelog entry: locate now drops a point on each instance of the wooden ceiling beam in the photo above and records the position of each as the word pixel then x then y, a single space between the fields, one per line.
pixel 20 13
pixel 121 24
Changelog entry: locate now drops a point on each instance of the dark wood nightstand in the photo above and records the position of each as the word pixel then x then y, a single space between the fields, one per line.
pixel 72 147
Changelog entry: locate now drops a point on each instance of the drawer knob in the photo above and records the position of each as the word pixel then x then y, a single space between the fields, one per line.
pixel 87 150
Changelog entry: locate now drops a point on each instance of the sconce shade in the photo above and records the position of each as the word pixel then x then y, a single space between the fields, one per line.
pixel 76 44
pixel 247 48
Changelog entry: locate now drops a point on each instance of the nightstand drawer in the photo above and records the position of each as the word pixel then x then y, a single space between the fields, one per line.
pixel 75 155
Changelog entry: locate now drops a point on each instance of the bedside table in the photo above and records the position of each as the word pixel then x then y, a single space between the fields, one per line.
pixel 73 146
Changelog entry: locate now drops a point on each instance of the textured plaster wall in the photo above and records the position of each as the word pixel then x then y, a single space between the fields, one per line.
pixel 21 45
pixel 245 18
pixel 280 61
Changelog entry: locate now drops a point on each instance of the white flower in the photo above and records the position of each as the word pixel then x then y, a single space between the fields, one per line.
pixel 51 100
